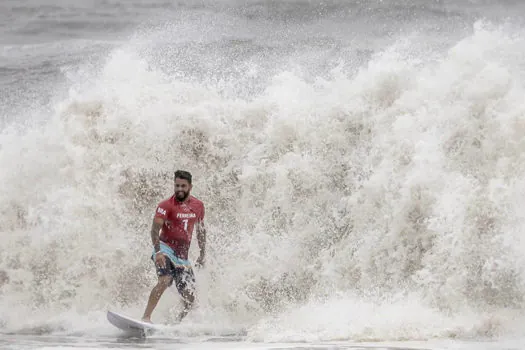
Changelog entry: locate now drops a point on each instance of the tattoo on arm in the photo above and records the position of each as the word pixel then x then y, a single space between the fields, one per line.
pixel 155 228
pixel 201 237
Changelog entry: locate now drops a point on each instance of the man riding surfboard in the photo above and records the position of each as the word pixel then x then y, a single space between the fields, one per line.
pixel 172 229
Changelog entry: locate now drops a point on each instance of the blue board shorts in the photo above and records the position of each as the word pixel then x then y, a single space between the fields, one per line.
pixel 179 269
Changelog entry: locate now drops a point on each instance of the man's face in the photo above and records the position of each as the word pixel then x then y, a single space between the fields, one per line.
pixel 182 189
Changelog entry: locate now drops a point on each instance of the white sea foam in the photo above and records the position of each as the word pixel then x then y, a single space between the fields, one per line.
pixel 383 203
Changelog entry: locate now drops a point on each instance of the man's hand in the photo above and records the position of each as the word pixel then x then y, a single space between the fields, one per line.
pixel 200 261
pixel 160 260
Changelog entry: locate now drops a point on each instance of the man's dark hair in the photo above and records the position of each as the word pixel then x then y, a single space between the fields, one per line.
pixel 182 174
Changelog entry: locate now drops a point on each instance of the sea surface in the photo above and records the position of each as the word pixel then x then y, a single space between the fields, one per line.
pixel 361 164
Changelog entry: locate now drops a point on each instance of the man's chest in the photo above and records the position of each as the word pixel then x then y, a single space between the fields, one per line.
pixel 182 213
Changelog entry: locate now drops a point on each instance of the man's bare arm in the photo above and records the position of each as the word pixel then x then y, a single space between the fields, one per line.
pixel 201 238
pixel 155 228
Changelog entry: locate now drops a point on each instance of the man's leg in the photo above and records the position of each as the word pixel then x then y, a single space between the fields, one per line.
pixel 165 280
pixel 185 282
pixel 187 300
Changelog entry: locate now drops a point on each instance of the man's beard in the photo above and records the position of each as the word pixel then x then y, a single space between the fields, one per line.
pixel 181 195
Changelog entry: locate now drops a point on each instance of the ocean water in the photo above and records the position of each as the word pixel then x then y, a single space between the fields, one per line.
pixel 361 163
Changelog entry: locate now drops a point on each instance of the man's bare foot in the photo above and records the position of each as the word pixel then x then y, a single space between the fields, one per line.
pixel 146 319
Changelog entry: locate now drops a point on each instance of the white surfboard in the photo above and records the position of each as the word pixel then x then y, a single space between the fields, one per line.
pixel 129 324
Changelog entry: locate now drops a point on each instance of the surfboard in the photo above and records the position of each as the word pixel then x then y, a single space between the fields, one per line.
pixel 129 324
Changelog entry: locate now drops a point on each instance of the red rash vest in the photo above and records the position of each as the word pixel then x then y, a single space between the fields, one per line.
pixel 180 219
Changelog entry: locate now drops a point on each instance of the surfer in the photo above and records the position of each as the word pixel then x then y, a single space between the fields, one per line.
pixel 171 232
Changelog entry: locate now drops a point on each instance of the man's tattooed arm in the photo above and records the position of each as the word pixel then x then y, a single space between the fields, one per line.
pixel 155 229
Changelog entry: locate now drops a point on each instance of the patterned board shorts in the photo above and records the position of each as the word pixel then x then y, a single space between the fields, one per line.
pixel 179 269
